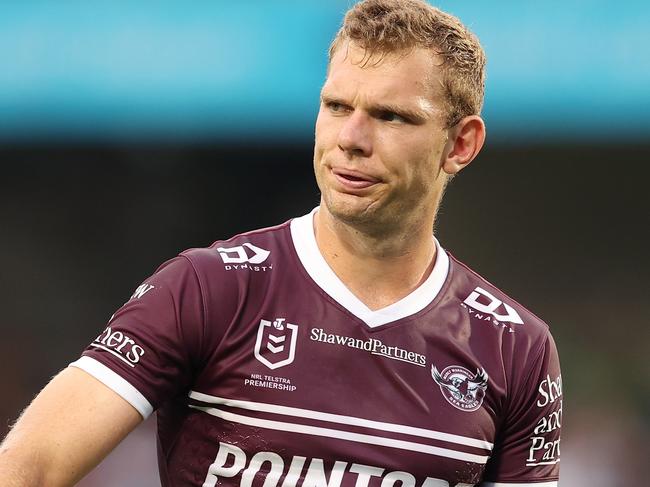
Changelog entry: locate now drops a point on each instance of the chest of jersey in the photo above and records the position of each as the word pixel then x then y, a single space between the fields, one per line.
pixel 301 393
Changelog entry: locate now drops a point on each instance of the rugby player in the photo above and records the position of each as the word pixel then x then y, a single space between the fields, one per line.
pixel 344 347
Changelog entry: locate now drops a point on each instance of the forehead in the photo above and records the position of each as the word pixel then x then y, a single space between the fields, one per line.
pixel 404 77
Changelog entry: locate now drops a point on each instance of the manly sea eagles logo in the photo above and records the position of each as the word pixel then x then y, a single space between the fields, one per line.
pixel 276 343
pixel 461 388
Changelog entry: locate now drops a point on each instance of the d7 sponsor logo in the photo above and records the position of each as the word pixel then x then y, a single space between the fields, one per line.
pixel 238 254
pixel 483 305
pixel 246 257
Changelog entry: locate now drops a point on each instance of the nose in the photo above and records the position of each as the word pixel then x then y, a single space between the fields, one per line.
pixel 355 136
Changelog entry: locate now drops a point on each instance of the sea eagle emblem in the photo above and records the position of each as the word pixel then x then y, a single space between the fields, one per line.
pixel 460 387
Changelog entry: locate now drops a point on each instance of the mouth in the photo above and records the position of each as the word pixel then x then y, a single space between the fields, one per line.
pixel 354 180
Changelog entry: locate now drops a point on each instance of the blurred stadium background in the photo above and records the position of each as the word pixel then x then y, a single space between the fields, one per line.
pixel 130 131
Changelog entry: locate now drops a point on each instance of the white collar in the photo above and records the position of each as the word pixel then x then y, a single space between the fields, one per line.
pixel 304 240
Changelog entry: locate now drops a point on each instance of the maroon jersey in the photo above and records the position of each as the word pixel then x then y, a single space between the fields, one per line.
pixel 264 368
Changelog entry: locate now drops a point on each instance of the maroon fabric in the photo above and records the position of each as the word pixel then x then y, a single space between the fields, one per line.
pixel 200 318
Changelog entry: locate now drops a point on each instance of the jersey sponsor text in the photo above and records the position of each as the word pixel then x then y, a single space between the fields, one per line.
pixel 232 462
pixel 549 390
pixel 372 345
pixel 141 290
pixel 544 448
pixel 120 345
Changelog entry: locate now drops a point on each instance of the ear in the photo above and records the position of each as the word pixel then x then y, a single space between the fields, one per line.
pixel 465 140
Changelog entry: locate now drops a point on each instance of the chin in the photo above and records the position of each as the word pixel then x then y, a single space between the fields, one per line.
pixel 350 209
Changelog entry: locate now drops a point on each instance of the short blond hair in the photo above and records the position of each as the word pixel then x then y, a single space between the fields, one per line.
pixel 387 26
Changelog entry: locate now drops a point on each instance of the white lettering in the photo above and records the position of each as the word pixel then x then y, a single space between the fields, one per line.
pixel 123 345
pixel 549 423
pixel 232 460
pixel 104 335
pixel 294 472
pixel 135 354
pixel 272 478
pixel 125 342
pixel 551 451
pixel 550 390
pixel 430 482
pixel 141 290
pixel 537 443
pixel 406 479
pixel 115 339
pixel 218 468
pixel 364 473
pixel 315 476
pixel 373 345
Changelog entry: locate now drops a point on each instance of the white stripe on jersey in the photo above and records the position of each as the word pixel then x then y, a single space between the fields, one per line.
pixel 552 462
pixel 501 484
pixel 349 420
pixel 343 435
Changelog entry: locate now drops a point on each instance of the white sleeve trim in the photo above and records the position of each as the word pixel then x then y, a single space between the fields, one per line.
pixel 115 382
pixel 501 484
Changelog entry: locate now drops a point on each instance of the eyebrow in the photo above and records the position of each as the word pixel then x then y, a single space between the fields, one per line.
pixel 415 115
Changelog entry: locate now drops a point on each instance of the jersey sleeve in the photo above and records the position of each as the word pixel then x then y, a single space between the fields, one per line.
pixel 527 450
pixel 150 349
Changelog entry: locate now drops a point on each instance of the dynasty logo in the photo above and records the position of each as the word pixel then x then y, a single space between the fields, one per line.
pixel 484 306
pixel 246 256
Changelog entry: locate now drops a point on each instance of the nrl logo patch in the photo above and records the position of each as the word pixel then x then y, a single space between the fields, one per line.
pixel 461 388
pixel 275 346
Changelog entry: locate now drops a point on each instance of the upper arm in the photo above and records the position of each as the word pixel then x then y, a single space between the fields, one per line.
pixel 145 356
pixel 527 450
pixel 68 429
pixel 151 348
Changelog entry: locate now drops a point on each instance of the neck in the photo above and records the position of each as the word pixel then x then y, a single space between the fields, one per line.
pixel 379 269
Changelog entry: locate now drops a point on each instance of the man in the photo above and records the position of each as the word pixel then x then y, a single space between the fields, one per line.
pixel 344 347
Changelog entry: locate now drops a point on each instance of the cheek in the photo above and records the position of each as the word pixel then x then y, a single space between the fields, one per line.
pixel 321 125
pixel 410 158
pixel 318 139
pixel 326 130
pixel 420 167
